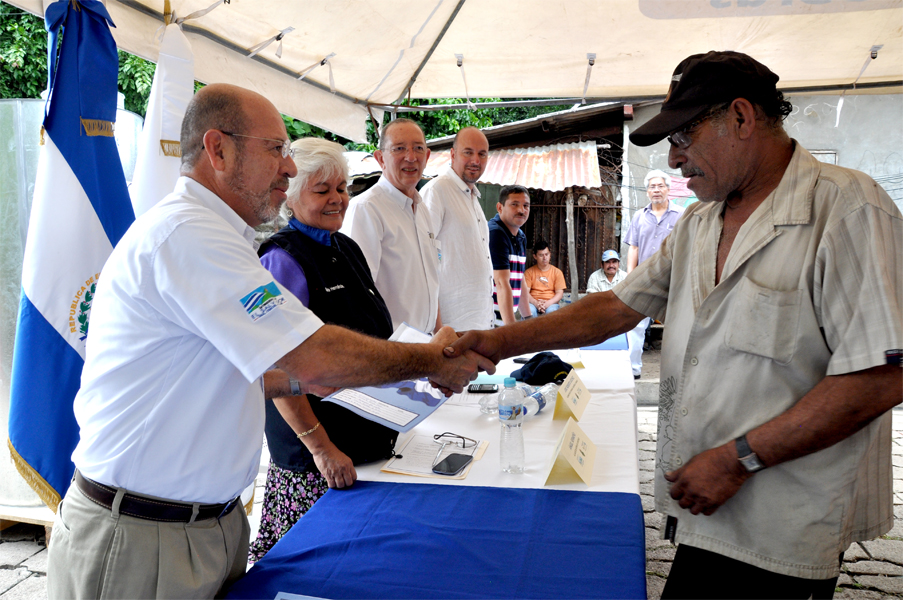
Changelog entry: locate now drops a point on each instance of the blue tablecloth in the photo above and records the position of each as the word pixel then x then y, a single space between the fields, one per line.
pixel 394 540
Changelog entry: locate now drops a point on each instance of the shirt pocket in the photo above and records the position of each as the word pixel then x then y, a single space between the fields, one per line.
pixel 764 322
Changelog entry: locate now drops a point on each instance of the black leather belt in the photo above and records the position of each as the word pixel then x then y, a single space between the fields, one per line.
pixel 150 509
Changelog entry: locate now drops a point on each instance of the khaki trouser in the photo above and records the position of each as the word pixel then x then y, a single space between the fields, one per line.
pixel 96 554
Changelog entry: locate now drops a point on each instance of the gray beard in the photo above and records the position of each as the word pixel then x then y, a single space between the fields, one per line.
pixel 259 202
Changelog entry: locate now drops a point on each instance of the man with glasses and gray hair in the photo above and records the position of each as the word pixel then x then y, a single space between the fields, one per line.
pixel 648 229
pixel 783 288
pixel 395 231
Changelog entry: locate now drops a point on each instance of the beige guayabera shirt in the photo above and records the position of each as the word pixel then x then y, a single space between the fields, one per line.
pixel 813 286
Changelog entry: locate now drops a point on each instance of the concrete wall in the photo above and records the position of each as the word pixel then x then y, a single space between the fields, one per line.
pixel 868 137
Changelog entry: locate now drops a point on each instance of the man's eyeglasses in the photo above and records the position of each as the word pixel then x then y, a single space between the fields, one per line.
pixel 285 145
pixel 657 186
pixel 451 439
pixel 681 139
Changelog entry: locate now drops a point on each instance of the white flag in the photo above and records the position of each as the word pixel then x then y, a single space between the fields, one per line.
pixel 159 153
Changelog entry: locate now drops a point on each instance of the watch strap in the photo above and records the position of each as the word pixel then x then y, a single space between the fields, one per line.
pixel 746 456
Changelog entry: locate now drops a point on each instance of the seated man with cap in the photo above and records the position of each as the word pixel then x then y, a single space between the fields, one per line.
pixel 608 276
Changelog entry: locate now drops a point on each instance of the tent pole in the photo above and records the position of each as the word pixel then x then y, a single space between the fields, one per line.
pixel 429 54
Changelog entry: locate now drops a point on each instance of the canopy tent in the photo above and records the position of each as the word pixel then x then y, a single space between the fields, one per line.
pixel 357 56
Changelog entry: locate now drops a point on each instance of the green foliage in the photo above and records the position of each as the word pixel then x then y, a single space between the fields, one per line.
pixel 445 122
pixel 23 54
pixel 136 76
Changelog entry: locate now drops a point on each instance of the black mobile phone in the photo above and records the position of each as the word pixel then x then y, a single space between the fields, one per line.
pixel 482 388
pixel 521 361
pixel 452 464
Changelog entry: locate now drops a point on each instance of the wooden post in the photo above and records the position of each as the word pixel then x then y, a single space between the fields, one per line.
pixel 572 244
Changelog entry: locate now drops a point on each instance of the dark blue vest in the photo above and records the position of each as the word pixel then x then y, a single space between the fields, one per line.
pixel 342 292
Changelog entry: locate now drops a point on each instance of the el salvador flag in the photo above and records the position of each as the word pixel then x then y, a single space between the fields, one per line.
pixel 81 209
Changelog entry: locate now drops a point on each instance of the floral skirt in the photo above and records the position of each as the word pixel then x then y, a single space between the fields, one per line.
pixel 287 496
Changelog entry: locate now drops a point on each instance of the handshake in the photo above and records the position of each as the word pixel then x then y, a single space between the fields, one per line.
pixel 462 357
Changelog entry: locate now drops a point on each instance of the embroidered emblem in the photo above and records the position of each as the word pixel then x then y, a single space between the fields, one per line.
pixel 262 300
pixel 666 397
pixel 80 308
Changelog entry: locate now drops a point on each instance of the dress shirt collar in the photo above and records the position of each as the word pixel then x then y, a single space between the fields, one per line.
pixel 395 194
pixel 671 208
pixel 461 184
pixel 321 236
pixel 186 186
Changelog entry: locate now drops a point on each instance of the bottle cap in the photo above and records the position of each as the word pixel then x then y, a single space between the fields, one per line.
pixel 510 382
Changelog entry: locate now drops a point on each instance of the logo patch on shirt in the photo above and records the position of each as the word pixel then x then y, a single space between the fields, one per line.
pixel 262 300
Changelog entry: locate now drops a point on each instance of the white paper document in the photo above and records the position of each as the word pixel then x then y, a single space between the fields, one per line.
pixel 421 452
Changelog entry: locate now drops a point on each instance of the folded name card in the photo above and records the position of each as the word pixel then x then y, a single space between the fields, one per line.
pixel 573 397
pixel 574 454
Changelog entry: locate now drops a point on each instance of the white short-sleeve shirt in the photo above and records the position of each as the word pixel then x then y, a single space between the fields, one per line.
pixel 465 270
pixel 401 250
pixel 184 323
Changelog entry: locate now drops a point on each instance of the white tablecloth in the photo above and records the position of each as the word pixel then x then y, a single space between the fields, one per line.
pixel 609 421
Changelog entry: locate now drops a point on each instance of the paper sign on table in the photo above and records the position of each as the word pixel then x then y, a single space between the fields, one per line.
pixel 574 454
pixel 573 397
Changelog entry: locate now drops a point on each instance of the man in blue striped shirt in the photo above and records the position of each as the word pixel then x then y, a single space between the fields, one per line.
pixel 508 249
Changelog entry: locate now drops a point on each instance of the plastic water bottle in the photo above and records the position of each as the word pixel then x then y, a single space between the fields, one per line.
pixel 537 400
pixel 511 417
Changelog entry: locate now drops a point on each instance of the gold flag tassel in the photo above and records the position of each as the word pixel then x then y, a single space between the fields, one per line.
pixel 47 494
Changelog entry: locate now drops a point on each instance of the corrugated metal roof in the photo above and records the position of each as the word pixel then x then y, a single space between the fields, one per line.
pixel 552 168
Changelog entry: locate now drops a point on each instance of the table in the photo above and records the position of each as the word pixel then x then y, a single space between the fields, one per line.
pixel 492 534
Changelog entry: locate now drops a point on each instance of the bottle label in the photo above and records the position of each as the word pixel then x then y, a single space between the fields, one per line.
pixel 540 400
pixel 511 412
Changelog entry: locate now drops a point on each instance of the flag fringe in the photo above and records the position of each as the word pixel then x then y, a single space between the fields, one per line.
pixel 95 127
pixel 171 148
pixel 47 494
pixel 249 505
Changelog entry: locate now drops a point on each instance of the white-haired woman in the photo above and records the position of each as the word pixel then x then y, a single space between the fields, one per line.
pixel 328 273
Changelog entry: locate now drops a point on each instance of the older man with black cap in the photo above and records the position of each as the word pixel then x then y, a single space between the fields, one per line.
pixel 783 288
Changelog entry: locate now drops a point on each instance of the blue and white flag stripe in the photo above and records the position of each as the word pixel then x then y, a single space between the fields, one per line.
pixel 81 208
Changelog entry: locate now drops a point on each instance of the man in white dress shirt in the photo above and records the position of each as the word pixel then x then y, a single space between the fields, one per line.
pixel 465 268
pixel 396 233
pixel 171 408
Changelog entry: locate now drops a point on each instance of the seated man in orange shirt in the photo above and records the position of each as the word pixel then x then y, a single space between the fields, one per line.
pixel 543 284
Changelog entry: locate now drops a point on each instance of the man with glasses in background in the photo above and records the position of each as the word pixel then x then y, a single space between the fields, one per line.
pixel 395 230
pixel 783 288
pixel 648 229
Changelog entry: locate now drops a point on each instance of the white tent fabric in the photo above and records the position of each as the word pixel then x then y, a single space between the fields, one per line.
pixel 379 51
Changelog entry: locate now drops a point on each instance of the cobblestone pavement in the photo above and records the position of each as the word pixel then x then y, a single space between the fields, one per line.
pixel 872 570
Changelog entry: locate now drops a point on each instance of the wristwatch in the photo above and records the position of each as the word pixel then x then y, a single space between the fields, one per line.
pixel 295 385
pixel 747 457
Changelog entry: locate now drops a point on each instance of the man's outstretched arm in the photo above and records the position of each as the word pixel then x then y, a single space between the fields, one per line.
pixel 338 357
pixel 591 320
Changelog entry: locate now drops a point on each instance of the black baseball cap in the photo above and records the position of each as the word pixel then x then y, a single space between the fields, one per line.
pixel 543 368
pixel 702 81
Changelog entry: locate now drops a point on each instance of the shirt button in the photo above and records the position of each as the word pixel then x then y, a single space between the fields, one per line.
pixel 683 411
pixel 693 361
pixel 678 461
